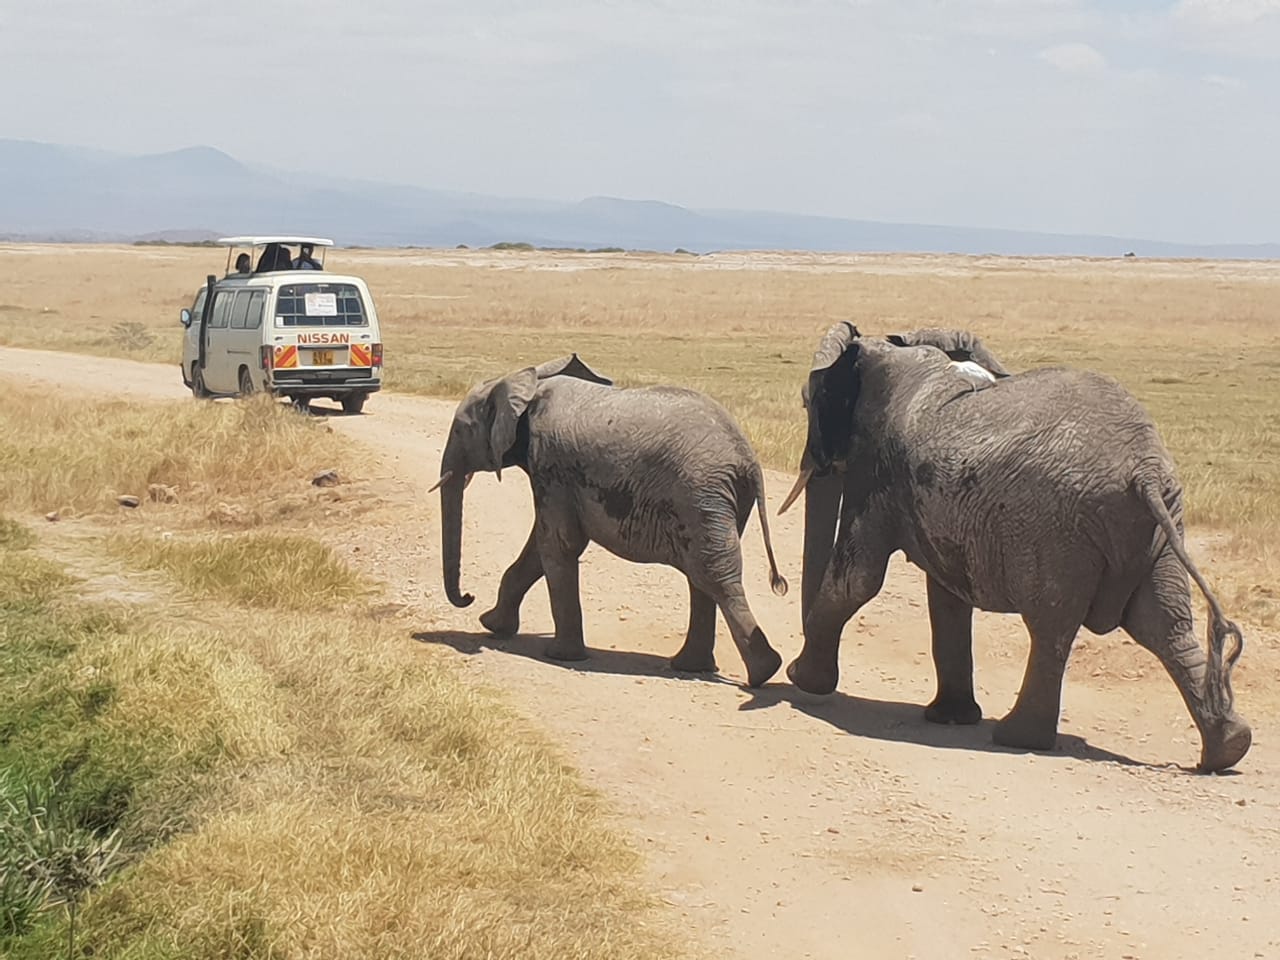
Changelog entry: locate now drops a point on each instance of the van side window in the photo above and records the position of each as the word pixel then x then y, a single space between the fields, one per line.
pixel 240 312
pixel 256 299
pixel 197 308
pixel 221 308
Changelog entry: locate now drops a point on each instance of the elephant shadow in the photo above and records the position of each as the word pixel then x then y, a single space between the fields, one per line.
pixel 901 722
pixel 889 720
pixel 626 663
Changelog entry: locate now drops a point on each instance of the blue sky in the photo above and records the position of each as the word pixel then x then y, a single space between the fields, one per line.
pixel 1134 117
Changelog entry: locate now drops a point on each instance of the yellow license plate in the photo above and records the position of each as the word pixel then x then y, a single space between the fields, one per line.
pixel 322 358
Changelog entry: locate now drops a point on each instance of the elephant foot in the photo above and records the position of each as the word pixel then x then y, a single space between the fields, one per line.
pixel 763 662
pixel 568 650
pixel 500 624
pixel 963 711
pixel 1226 744
pixel 695 662
pixel 1025 733
pixel 817 682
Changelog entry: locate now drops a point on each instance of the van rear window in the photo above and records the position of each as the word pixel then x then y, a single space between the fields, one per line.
pixel 319 305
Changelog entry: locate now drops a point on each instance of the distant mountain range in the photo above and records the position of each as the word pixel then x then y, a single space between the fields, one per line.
pixel 58 193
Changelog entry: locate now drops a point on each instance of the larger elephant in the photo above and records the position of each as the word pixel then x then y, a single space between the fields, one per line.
pixel 1048 494
pixel 654 475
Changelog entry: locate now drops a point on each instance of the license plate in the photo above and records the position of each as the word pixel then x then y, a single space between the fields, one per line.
pixel 322 358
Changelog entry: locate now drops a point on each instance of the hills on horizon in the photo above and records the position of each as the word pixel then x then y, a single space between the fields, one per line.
pixel 64 193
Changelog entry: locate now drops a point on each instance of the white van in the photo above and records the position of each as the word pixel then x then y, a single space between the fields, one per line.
pixel 283 324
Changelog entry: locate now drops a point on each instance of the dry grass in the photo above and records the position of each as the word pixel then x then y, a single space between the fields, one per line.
pixel 253 569
pixel 63 454
pixel 367 802
pixel 291 777
pixel 404 815
pixel 1193 340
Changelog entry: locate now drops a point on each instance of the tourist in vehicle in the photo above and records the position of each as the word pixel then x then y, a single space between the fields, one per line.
pixel 243 263
pixel 304 260
pixel 274 257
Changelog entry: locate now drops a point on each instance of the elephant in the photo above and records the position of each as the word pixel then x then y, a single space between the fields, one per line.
pixel 652 474
pixel 1047 493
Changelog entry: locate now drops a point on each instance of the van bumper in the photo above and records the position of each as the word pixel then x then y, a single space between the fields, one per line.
pixel 330 386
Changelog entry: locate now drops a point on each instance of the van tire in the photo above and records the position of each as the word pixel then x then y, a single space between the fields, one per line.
pixel 246 382
pixel 197 383
pixel 353 402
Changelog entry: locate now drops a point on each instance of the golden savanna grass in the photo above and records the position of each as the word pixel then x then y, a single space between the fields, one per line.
pixel 292 776
pixel 1193 340
pixel 63 453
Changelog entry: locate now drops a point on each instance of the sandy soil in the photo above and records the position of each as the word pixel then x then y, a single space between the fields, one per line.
pixel 778 826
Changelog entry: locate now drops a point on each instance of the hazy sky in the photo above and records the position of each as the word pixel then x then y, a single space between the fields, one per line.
pixel 1143 118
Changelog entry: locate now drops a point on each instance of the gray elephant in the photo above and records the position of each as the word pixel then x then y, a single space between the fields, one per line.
pixel 1047 493
pixel 653 474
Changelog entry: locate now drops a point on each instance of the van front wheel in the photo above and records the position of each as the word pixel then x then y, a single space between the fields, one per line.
pixel 246 382
pixel 197 384
pixel 353 402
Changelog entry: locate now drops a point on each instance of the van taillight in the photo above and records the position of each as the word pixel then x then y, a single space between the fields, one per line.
pixel 267 354
pixel 377 354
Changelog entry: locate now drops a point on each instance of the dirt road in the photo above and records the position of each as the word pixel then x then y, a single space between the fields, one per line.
pixel 849 828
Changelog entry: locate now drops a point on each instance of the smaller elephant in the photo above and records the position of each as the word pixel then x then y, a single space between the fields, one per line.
pixel 652 474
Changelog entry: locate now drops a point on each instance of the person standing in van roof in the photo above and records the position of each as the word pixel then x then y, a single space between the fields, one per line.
pixel 304 260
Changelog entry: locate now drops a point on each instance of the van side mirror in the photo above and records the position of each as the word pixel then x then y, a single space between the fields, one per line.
pixel 186 317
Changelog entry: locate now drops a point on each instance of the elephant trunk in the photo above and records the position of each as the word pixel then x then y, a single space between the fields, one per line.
pixel 451 536
pixel 821 511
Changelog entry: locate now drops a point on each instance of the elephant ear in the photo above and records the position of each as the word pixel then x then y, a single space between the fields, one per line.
pixel 831 394
pixel 508 399
pixel 959 345
pixel 570 366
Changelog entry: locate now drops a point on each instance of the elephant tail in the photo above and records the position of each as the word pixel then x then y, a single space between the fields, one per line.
pixel 1218 695
pixel 777 583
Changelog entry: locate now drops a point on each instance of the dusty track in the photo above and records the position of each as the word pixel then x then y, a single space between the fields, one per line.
pixel 779 827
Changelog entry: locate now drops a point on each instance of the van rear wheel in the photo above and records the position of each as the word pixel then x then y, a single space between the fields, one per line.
pixel 246 382
pixel 353 402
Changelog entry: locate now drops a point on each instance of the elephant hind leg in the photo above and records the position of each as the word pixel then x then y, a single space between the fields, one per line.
pixel 698 653
pixel 760 659
pixel 951 624
pixel 1032 724
pixel 1159 618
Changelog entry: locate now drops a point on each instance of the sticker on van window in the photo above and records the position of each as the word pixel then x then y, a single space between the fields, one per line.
pixel 321 304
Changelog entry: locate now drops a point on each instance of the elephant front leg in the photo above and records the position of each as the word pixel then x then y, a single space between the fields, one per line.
pixel 698 653
pixel 559 556
pixel 845 589
pixel 1032 724
pixel 504 619
pixel 951 625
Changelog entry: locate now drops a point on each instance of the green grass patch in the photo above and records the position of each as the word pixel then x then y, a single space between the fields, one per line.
pixel 86 781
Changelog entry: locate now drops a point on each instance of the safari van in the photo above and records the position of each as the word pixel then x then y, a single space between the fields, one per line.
pixel 280 323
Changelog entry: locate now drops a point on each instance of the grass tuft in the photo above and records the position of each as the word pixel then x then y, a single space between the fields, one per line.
pixel 256 569
pixel 66 455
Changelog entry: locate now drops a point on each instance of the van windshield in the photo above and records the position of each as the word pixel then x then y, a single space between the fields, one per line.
pixel 319 305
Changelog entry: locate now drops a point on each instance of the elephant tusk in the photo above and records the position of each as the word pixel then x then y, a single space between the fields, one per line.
pixel 442 481
pixel 802 481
